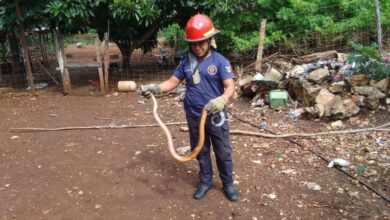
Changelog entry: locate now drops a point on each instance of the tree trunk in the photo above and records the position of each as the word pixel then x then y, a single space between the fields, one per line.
pixel 14 45
pixel 378 26
pixel 126 50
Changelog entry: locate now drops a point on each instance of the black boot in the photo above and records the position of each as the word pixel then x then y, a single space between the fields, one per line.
pixel 201 191
pixel 231 193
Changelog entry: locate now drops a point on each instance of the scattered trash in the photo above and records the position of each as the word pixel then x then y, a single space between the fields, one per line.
pixel 336 124
pixel 258 77
pixel 183 150
pixel 271 195
pixel 262 112
pixel 38 86
pixel 382 142
pixel 353 194
pixel 278 98
pixel 79 45
pixel 361 169
pixel 14 137
pixel 258 103
pixel 256 161
pixel 289 172
pixel 339 162
pixel 142 101
pixel 296 113
pixel 313 186
pixel 263 125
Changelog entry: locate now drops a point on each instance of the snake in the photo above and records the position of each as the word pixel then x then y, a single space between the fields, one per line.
pixel 168 134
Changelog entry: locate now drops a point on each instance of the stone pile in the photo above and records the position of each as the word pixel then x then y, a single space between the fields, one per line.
pixel 330 88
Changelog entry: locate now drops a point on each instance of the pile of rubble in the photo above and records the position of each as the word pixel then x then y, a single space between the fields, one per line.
pixel 324 84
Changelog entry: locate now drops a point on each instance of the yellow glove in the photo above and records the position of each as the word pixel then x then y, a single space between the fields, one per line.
pixel 149 89
pixel 216 105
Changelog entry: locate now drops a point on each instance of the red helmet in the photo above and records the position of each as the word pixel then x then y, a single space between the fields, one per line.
pixel 199 27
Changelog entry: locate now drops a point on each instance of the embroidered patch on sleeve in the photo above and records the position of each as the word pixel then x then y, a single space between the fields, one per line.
pixel 228 69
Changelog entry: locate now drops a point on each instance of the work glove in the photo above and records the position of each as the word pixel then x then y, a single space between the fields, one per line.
pixel 216 105
pixel 149 89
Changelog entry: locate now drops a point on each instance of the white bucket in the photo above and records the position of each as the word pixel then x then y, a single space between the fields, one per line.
pixel 127 86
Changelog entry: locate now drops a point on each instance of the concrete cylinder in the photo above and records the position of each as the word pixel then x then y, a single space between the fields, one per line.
pixel 127 86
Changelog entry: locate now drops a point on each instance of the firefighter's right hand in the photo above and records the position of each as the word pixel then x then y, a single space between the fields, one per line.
pixel 147 90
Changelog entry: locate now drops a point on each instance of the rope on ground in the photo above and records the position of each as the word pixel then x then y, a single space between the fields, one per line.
pixel 92 127
pixel 349 131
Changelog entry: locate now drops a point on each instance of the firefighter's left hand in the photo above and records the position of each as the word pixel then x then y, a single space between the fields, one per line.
pixel 216 105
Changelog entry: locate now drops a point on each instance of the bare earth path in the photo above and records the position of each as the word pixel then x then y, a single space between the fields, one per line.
pixel 129 174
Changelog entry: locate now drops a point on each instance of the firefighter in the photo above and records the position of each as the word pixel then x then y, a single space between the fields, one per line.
pixel 210 84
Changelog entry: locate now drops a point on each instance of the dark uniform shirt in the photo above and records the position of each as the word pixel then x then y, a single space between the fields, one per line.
pixel 213 71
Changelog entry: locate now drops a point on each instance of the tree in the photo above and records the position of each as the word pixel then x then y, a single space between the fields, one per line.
pixel 132 23
pixel 289 20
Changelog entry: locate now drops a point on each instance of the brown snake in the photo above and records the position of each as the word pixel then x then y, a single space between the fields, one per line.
pixel 167 133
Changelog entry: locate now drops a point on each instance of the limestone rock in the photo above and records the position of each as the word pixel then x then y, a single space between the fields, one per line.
pixel 341 57
pixel 296 71
pixel 318 76
pixel 310 93
pixel 324 102
pixel 372 103
pixel 359 100
pixel 359 80
pixel 382 85
pixel 369 91
pixel 336 88
pixel 344 108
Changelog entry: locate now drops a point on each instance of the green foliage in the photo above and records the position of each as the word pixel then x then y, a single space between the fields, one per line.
pixel 170 32
pixel 293 21
pixel 367 61
pixel 367 51
pixel 135 23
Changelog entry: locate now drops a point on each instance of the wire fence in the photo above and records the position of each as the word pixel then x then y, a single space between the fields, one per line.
pixel 159 63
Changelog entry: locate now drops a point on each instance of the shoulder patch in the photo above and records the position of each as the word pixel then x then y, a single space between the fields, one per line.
pixel 228 69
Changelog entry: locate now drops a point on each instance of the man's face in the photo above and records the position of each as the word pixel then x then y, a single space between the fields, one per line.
pixel 200 48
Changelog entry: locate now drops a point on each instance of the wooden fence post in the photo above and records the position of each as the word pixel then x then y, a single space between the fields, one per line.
pixel 99 62
pixel 261 46
pixel 62 62
pixel 106 61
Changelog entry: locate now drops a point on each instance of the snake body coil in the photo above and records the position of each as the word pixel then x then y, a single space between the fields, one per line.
pixel 167 133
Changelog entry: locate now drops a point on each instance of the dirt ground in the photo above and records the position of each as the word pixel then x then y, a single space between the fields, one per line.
pixel 129 174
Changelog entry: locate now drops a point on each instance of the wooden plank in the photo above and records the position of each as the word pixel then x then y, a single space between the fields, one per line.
pixel 81 65
pixel 48 73
pixel 314 57
pixel 62 62
pixel 261 46
pixel 80 35
pixel 106 61
pixel 25 49
pixel 99 62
